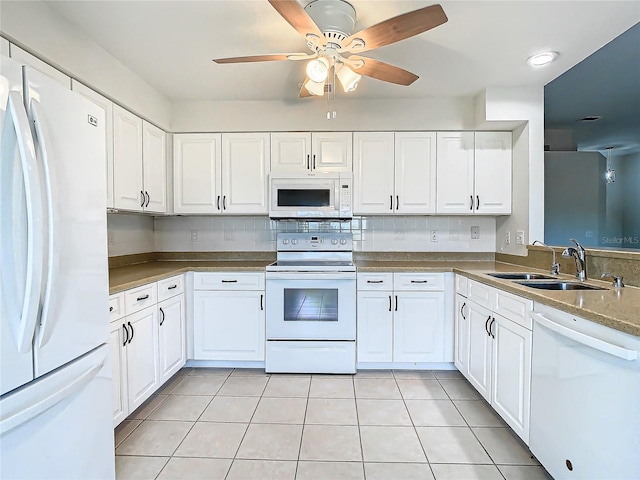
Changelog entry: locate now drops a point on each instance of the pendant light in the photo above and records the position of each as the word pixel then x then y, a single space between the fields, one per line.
pixel 609 174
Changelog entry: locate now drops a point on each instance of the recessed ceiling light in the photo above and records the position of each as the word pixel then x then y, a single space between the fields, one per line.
pixel 542 58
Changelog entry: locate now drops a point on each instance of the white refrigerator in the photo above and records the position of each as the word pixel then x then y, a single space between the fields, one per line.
pixel 55 372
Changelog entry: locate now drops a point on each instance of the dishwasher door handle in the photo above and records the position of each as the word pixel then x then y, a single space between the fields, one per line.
pixel 592 342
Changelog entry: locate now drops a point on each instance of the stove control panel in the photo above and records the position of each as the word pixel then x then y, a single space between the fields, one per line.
pixel 304 242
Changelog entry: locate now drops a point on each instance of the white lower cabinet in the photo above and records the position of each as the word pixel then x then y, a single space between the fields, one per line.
pixel 141 354
pixel 493 331
pixel 229 316
pixel 117 342
pixel 402 326
pixel 171 337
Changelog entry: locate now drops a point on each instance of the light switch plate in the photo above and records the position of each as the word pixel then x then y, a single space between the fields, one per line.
pixel 520 237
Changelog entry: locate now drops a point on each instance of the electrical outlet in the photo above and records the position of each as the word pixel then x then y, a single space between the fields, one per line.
pixel 475 232
pixel 507 238
pixel 194 235
pixel 520 237
pixel 434 235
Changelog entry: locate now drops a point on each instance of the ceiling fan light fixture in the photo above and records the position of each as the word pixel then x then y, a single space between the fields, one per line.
pixel 542 58
pixel 318 69
pixel 315 88
pixel 348 78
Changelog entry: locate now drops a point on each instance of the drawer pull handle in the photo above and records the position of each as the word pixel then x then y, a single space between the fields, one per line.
pixel 172 287
pixel 229 281
pixel 419 281
pixel 111 309
pixel 144 297
pixel 374 281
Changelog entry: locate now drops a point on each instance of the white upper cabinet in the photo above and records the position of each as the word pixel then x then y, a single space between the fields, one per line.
pixel 24 57
pixel 107 106
pixel 127 160
pixel 196 173
pixel 154 168
pixel 373 173
pixel 245 166
pixel 4 47
pixel 394 173
pixel 221 173
pixel 139 164
pixel 474 173
pixel 493 178
pixel 311 152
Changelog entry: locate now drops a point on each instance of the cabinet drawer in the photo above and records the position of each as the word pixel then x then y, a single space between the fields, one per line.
pixel 228 281
pixel 418 281
pixel 462 285
pixel 480 293
pixel 375 281
pixel 142 297
pixel 116 306
pixel 513 307
pixel 170 287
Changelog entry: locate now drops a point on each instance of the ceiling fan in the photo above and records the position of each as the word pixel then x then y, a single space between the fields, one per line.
pixel 327 27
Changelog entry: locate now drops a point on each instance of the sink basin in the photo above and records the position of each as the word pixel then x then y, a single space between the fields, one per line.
pixel 521 276
pixel 560 286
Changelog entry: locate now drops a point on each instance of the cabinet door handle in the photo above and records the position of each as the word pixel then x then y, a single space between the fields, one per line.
pixel 390 202
pixel 126 332
pixel 218 203
pixel 162 313
pixel 477 202
pixel 132 332
pixel 144 297
pixel 374 281
pixel 224 202
pixel 229 281
pixel 261 302
pixel 314 162
pixel 462 310
pixel 486 329
pixel 389 302
pixel 143 199
pixel 471 204
pixel 308 162
pixel 110 309
pixel 397 202
pixel 491 328
pixel 419 281
pixel 148 198
pixel 172 287
pixel 396 303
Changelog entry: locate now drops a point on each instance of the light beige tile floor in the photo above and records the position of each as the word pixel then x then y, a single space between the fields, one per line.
pixel 246 424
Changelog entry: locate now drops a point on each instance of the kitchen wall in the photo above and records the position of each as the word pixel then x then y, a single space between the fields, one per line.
pixel 382 234
pixel 129 234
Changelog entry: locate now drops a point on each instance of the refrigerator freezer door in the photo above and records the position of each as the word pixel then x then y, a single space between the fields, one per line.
pixel 70 148
pixel 20 233
pixel 61 425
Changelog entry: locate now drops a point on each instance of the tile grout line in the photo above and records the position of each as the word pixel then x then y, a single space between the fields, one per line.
pixel 304 422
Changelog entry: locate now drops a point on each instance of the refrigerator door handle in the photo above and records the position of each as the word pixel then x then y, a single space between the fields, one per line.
pixel 11 418
pixel 17 117
pixel 42 132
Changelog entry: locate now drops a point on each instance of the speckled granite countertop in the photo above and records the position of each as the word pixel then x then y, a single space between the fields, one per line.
pixel 619 309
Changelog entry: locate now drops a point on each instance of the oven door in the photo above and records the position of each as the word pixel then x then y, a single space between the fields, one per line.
pixel 311 306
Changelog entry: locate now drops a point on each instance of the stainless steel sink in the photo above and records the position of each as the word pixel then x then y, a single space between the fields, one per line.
pixel 521 276
pixel 560 286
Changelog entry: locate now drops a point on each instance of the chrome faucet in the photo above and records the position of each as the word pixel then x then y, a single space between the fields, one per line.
pixel 580 257
pixel 555 267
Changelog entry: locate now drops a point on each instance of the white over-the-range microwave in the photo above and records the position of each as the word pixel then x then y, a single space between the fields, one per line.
pixel 322 195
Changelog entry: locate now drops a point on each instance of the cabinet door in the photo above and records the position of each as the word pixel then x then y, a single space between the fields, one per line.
pixel 415 173
pixel 245 166
pixel 375 326
pixel 107 106
pixel 291 152
pixel 229 325
pixel 127 160
pixel 461 334
pixel 455 169
pixel 332 151
pixel 24 57
pixel 373 172
pixel 510 391
pixel 119 373
pixel 171 337
pixel 418 327
pixel 493 167
pixel 154 168
pixel 142 356
pixel 480 344
pixel 197 169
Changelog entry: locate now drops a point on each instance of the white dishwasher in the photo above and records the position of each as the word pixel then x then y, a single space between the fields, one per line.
pixel 585 398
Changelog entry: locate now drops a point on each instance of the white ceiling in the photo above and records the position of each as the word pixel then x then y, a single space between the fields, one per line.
pixel 170 44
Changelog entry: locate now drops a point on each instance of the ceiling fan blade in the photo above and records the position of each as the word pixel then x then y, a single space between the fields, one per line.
pixel 297 17
pixel 304 93
pixel 382 71
pixel 398 28
pixel 254 58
